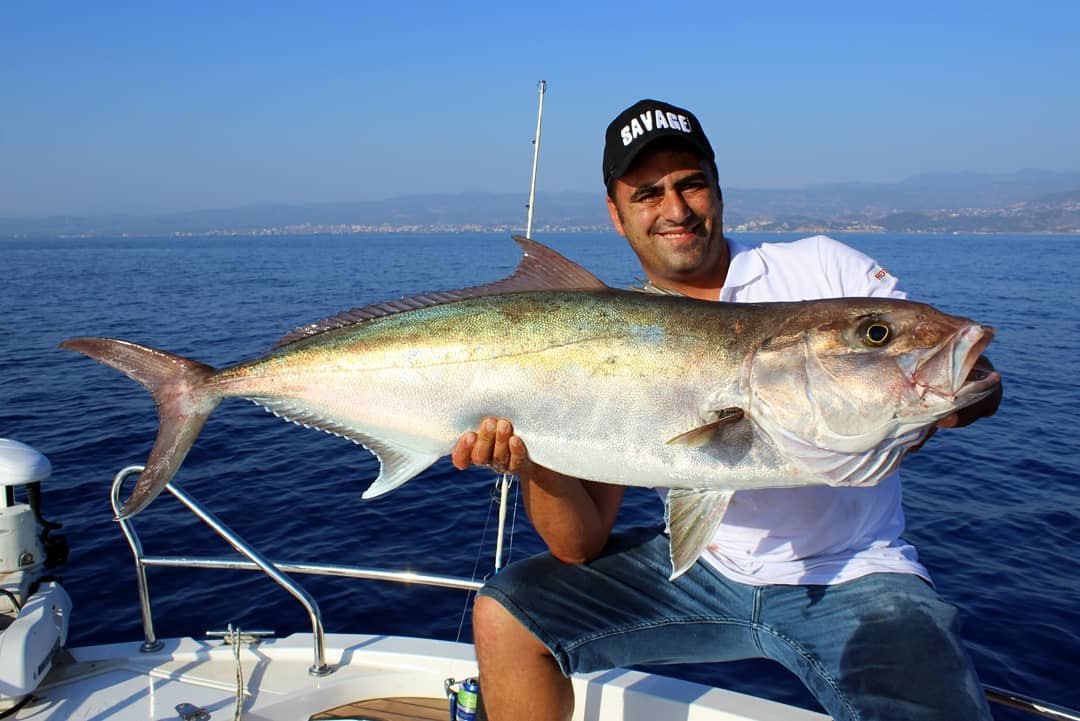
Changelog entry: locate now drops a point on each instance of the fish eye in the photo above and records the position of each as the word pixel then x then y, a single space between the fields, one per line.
pixel 876 333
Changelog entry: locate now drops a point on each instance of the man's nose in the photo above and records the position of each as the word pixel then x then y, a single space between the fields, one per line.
pixel 675 208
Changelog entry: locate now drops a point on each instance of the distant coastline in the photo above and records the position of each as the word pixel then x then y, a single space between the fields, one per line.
pixel 1031 201
pixel 314 231
pixel 537 232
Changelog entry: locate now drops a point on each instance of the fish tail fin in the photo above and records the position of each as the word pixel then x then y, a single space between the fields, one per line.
pixel 178 386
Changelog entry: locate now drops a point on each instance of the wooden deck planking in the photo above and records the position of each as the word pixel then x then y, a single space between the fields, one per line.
pixel 390 709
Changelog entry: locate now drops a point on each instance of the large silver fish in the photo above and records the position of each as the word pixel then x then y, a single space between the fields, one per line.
pixel 608 385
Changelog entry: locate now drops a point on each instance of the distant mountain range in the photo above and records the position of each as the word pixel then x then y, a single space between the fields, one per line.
pixel 1027 201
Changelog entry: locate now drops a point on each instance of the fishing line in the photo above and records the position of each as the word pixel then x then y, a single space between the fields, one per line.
pixel 476 563
pixel 513 523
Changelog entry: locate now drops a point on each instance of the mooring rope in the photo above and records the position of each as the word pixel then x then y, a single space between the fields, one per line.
pixel 234 639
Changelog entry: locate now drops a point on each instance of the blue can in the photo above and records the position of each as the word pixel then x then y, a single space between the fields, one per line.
pixel 468 698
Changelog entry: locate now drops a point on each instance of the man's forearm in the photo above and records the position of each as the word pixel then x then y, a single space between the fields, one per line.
pixel 574 517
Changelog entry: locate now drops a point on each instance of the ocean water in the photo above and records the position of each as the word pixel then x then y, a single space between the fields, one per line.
pixel 993 508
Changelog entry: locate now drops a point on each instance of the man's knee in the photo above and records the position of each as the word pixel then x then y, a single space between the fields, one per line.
pixel 488 618
pixel 495 627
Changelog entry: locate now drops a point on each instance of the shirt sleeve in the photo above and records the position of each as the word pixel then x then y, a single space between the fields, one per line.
pixel 852 273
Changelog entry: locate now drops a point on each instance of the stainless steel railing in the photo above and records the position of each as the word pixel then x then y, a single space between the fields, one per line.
pixel 255 561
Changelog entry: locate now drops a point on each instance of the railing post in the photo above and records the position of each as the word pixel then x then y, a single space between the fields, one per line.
pixel 150 641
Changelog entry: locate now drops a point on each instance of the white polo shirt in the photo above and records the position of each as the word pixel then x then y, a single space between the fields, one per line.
pixel 815 534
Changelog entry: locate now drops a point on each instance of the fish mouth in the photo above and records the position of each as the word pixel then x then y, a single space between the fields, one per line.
pixel 949 372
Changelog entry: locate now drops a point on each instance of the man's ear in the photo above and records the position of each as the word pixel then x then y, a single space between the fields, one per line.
pixel 615 219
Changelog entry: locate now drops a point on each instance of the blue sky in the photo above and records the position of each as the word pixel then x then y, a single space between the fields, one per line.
pixel 146 107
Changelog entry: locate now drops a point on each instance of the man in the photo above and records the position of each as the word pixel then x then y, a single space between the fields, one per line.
pixel 816 578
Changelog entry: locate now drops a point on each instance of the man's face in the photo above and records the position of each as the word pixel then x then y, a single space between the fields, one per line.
pixel 668 207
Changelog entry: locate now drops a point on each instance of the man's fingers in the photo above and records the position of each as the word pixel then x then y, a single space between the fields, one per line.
pixel 485 443
pixel 493 445
pixel 500 452
pixel 518 454
pixel 461 456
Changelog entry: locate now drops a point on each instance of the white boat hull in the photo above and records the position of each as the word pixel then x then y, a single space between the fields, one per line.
pixel 118 682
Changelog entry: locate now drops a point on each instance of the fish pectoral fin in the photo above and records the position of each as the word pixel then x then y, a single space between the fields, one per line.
pixel 397 464
pixel 692 519
pixel 702 435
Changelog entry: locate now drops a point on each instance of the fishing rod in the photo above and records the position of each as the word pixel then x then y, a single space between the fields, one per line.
pixel 542 88
pixel 504 482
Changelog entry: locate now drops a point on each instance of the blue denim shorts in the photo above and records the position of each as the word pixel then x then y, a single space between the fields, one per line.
pixel 883 646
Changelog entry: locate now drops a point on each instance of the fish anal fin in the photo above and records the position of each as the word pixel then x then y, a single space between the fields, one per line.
pixel 540 268
pixel 692 519
pixel 397 464
pixel 702 435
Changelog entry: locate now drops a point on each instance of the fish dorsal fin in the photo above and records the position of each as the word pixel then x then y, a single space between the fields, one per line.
pixel 540 268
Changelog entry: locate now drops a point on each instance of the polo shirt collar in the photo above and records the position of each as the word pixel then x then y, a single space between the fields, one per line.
pixel 745 267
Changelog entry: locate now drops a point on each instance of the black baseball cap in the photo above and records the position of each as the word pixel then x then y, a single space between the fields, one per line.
pixel 642 124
